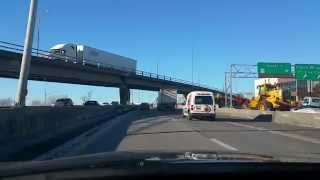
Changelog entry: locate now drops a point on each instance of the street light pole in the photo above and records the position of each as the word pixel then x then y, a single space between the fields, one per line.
pixel 38 35
pixel 231 67
pixel 297 96
pixel 26 57
pixel 157 68
pixel 192 66
pixel 225 90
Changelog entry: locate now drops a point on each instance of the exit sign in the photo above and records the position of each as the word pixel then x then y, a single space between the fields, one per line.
pixel 307 71
pixel 274 70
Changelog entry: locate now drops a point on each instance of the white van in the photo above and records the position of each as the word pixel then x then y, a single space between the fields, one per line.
pixel 313 102
pixel 200 104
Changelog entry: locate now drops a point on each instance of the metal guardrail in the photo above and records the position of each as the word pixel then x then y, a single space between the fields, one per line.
pixel 68 59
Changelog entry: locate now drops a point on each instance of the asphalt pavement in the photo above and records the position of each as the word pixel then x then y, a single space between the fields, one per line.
pixel 156 131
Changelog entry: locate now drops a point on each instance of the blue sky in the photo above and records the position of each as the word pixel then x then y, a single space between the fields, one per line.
pixel 222 32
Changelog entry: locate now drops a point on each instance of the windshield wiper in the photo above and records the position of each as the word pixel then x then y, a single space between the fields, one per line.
pixel 205 157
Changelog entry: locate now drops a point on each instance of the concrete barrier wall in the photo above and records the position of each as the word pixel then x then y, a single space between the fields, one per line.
pixel 242 114
pixel 281 117
pixel 298 119
pixel 25 127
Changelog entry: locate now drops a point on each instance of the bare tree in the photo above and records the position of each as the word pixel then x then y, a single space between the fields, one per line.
pixel 87 97
pixel 6 102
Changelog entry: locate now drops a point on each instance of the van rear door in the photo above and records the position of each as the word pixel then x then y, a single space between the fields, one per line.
pixel 204 103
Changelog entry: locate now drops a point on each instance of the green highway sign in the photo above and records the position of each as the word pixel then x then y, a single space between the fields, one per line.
pixel 307 71
pixel 274 70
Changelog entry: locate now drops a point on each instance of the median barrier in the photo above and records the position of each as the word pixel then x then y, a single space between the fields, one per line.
pixel 297 119
pixel 281 117
pixel 241 114
pixel 39 128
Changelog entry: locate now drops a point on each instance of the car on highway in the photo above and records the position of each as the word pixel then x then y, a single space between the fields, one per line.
pixel 200 104
pixel 91 103
pixel 63 102
pixel 144 106
pixel 114 103
pixel 313 102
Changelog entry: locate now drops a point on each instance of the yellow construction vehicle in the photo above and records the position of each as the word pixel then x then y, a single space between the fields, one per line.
pixel 269 98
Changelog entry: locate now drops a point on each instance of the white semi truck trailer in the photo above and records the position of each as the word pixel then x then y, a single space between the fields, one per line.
pixel 167 99
pixel 92 56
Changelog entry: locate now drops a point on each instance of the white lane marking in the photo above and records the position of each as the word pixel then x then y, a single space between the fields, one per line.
pixel 174 120
pixel 247 126
pixel 294 136
pixel 227 146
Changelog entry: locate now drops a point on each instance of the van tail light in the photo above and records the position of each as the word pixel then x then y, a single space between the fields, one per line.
pixel 191 107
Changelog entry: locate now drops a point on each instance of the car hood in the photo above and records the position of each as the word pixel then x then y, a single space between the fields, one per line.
pixel 131 159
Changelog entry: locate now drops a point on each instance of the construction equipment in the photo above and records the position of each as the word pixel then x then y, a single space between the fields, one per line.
pixel 269 98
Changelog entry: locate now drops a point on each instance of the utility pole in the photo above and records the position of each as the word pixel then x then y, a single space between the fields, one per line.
pixel 157 68
pixel 225 90
pixel 297 96
pixel 192 64
pixel 231 85
pixel 38 35
pixel 26 57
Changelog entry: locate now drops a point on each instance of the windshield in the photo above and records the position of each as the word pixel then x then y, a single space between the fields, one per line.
pixel 158 76
pixel 203 100
pixel 56 51
pixel 314 100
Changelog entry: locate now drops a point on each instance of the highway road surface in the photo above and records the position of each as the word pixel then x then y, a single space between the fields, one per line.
pixel 154 131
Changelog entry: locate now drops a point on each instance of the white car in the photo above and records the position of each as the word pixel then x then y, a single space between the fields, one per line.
pixel 313 102
pixel 200 104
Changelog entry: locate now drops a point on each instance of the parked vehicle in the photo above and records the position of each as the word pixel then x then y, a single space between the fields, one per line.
pixel 105 104
pixel 88 55
pixel 313 102
pixel 114 103
pixel 91 103
pixel 144 106
pixel 63 102
pixel 200 104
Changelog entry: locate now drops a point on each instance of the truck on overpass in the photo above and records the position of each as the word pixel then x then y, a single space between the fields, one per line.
pixel 92 56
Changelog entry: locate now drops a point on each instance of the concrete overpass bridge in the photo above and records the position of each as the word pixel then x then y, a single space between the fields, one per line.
pixel 44 68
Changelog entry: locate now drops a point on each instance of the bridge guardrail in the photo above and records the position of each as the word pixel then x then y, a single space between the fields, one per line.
pixel 68 59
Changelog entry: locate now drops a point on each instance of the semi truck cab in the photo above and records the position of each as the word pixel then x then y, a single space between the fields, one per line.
pixel 64 52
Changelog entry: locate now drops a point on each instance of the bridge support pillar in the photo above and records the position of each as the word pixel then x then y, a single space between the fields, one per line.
pixel 124 95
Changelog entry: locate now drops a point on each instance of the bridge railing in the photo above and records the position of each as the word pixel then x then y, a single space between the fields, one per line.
pixel 89 62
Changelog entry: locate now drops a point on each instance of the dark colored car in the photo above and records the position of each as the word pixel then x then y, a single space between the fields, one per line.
pixel 114 103
pixel 105 104
pixel 91 103
pixel 144 106
pixel 63 102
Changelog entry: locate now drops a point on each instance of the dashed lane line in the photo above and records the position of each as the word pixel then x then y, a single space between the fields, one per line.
pixel 293 136
pixel 227 146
